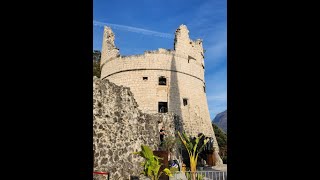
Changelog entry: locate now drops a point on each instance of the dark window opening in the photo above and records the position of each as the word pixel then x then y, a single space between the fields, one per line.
pixel 163 107
pixel 202 55
pixel 185 101
pixel 190 57
pixel 202 66
pixel 204 89
pixel 162 81
pixel 145 78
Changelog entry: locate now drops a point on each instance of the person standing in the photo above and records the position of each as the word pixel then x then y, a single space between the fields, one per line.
pixel 162 134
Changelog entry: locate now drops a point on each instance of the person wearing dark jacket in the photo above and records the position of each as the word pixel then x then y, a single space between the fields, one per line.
pixel 162 134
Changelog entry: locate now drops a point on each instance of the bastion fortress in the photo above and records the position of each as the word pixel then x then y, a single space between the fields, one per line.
pixel 164 80
pixel 137 95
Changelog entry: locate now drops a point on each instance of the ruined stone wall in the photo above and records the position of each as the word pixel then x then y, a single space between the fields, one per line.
pixel 154 60
pixel 183 68
pixel 186 47
pixel 109 46
pixel 148 93
pixel 120 128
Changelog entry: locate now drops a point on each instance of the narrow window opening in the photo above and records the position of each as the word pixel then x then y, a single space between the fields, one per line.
pixel 162 81
pixel 185 101
pixel 145 78
pixel 163 107
pixel 204 89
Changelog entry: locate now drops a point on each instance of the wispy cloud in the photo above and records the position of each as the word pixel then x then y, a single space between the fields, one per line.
pixel 210 24
pixel 216 54
pixel 216 46
pixel 134 29
pixel 216 85
pixel 217 102
pixel 214 34
pixel 220 97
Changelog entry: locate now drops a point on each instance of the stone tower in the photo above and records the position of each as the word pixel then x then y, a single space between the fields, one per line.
pixel 164 80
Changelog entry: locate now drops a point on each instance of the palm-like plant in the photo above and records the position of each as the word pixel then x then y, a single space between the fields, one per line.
pixel 193 151
pixel 151 166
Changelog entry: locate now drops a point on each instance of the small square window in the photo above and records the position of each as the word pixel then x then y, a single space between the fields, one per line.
pixel 145 78
pixel 185 101
pixel 163 107
pixel 162 81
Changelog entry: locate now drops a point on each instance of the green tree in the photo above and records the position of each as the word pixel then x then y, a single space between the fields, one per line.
pixel 96 63
pixel 96 69
pixel 222 141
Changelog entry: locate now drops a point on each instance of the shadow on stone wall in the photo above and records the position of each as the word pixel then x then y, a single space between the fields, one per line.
pixel 175 97
pixel 175 104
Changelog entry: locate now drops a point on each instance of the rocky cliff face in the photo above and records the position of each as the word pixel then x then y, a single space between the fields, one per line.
pixel 221 120
pixel 120 128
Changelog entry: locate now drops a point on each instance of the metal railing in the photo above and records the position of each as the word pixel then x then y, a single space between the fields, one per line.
pixel 200 175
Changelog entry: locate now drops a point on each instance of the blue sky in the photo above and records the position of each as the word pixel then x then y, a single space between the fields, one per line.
pixel 141 25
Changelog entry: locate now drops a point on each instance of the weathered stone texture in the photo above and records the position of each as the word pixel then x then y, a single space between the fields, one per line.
pixel 108 45
pixel 120 128
pixel 183 69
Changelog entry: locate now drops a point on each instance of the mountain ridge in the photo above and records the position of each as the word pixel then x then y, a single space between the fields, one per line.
pixel 221 120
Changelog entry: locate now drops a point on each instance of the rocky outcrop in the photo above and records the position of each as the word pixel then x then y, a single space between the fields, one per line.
pixel 120 128
pixel 221 120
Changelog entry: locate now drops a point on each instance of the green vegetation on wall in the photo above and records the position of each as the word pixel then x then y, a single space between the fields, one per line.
pixel 96 68
pixel 96 63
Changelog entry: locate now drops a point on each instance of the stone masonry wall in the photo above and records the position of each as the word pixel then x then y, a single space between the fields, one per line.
pixel 183 69
pixel 108 45
pixel 120 128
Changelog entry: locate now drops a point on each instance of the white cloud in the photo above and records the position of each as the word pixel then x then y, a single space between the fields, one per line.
pixel 216 53
pixel 134 29
pixel 215 44
pixel 221 97
pixel 216 88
